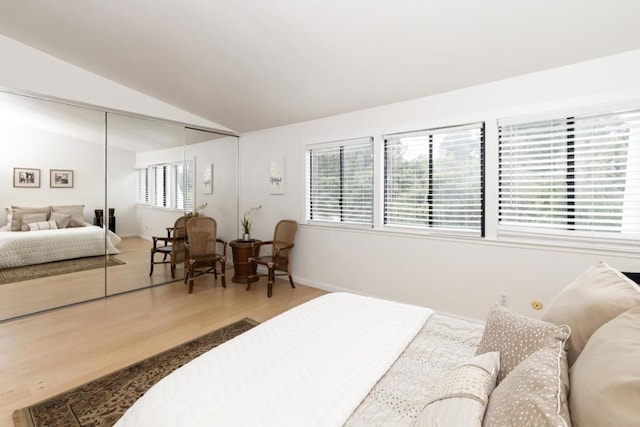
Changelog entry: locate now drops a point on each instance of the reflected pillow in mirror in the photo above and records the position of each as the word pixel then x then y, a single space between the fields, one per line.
pixel 62 220
pixel 32 218
pixel 76 212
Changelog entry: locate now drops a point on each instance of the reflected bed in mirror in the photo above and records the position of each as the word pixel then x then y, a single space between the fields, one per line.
pixel 109 154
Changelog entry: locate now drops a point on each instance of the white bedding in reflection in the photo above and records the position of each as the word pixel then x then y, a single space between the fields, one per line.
pixel 20 248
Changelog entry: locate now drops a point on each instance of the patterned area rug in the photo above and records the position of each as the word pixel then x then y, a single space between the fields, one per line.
pixel 103 401
pixel 18 274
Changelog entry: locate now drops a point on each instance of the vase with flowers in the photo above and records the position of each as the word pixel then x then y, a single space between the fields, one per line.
pixel 246 222
pixel 197 209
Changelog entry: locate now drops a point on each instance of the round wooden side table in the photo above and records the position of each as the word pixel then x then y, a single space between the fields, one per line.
pixel 242 268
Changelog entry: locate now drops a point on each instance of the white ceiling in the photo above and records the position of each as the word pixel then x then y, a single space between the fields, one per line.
pixel 253 64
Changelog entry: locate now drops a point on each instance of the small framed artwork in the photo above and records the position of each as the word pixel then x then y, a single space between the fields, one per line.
pixel 27 178
pixel 276 176
pixel 60 178
pixel 207 179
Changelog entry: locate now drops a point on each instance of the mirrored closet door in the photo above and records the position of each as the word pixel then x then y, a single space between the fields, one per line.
pixel 120 177
pixel 51 173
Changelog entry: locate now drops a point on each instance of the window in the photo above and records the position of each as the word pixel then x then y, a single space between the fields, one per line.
pixel 340 182
pixel 142 192
pixel 160 186
pixel 571 176
pixel 167 185
pixel 433 179
pixel 183 185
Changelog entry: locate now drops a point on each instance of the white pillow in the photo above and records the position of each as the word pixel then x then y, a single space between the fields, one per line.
pixel 461 395
pixel 43 225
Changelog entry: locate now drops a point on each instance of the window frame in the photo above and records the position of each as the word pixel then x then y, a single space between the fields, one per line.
pixel 164 196
pixel 430 228
pixel 586 239
pixel 328 148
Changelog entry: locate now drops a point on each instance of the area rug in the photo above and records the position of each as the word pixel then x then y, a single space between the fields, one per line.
pixel 18 274
pixel 103 401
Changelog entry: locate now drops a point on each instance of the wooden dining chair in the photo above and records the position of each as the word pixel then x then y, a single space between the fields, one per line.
pixel 281 245
pixel 203 250
pixel 172 246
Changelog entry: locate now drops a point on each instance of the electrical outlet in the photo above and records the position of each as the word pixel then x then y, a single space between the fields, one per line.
pixel 503 299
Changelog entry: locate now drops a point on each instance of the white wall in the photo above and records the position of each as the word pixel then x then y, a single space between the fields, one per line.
pixel 456 275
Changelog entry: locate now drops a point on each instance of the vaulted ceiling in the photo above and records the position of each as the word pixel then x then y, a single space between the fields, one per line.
pixel 254 64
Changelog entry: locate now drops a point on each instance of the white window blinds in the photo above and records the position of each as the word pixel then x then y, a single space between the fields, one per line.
pixel 183 185
pixel 160 185
pixel 340 182
pixel 575 176
pixel 434 179
pixel 142 186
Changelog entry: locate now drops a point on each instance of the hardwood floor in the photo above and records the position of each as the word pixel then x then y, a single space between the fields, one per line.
pixel 48 353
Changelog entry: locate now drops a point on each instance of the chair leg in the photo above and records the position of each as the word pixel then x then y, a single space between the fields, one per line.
pixel 291 281
pixel 222 274
pixel 270 283
pixel 151 271
pixel 190 277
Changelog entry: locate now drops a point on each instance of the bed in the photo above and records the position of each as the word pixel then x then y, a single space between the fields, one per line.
pixel 51 233
pixel 344 359
pixel 38 247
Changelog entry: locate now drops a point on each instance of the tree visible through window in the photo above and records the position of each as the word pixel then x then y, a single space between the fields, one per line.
pixel 573 175
pixel 434 179
pixel 340 182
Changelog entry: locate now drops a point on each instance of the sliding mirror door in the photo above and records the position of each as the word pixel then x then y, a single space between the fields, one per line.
pixel 51 178
pixel 145 196
pixel 85 192
pixel 215 157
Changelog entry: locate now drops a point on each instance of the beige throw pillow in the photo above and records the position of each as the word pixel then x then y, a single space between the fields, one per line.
pixel 591 300
pixel 516 337
pixel 461 395
pixel 605 380
pixel 62 220
pixel 28 219
pixel 76 212
pixel 17 212
pixel 534 393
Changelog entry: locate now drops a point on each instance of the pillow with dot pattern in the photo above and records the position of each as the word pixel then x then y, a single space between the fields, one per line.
pixel 535 393
pixel 516 337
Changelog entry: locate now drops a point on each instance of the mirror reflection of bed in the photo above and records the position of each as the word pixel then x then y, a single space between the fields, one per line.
pixel 104 151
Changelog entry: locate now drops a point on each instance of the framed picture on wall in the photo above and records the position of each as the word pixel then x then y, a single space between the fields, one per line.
pixel 276 176
pixel 26 177
pixel 60 178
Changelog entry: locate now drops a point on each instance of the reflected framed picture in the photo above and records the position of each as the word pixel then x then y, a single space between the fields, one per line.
pixel 60 178
pixel 26 177
pixel 207 179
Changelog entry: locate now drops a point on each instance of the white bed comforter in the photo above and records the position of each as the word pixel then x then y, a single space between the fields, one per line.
pixel 310 366
pixel 19 248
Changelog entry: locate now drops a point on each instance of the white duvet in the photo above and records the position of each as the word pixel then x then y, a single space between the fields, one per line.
pixel 18 248
pixel 310 366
